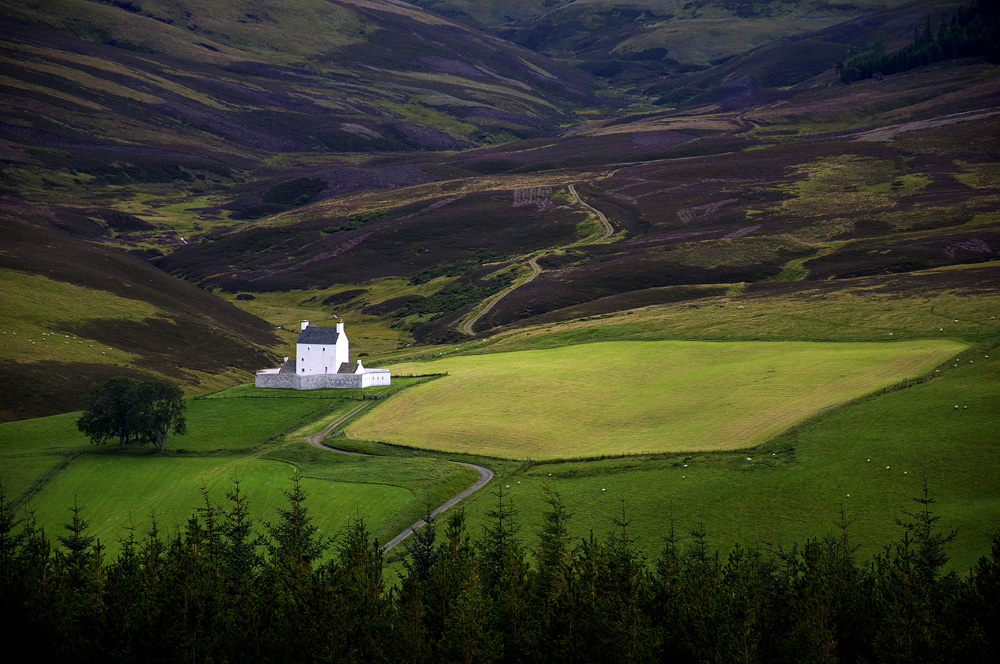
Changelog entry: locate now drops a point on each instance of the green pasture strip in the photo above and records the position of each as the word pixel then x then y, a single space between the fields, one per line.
pixel 118 491
pixel 793 486
pixel 635 398
pixel 243 424
pixel 223 424
pixel 861 312
pixel 29 331
pixel 378 448
pixel 43 435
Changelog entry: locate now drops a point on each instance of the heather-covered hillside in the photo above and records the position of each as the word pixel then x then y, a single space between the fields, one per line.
pixel 433 182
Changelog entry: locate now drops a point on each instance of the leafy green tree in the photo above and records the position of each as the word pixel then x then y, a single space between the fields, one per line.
pixel 132 411
pixel 162 407
pixel 112 412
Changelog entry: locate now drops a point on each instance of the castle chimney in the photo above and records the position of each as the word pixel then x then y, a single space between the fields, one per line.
pixel 340 328
pixel 305 324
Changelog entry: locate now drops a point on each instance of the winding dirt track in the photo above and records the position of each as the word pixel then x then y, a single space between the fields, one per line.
pixel 609 230
pixel 469 324
pixel 485 474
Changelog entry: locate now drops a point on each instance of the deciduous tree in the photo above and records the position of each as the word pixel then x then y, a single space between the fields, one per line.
pixel 132 411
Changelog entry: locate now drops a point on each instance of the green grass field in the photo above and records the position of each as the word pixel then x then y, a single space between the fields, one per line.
pixel 633 398
pixel 117 491
pixel 47 465
pixel 793 486
pixel 790 488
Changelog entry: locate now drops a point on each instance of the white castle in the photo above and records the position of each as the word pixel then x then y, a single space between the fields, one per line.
pixel 322 359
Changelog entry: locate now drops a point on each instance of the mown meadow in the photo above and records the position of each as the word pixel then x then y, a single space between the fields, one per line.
pixel 617 398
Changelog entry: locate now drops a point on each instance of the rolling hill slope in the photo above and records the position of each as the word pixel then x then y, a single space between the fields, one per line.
pixel 380 162
pixel 75 312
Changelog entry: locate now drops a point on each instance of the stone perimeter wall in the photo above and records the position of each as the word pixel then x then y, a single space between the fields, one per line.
pixel 307 381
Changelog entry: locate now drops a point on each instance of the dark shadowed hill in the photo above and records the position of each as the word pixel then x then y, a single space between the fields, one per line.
pixel 655 47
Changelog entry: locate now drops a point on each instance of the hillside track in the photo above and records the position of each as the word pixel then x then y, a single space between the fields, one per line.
pixel 468 326
pixel 317 438
pixel 609 230
pixel 485 474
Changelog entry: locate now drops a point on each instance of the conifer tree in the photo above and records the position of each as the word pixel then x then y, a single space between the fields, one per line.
pixel 422 548
pixel 359 591
pixel 293 536
pixel 554 633
pixel 77 545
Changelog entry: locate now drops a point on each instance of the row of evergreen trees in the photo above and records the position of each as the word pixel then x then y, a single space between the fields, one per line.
pixel 215 591
pixel 973 31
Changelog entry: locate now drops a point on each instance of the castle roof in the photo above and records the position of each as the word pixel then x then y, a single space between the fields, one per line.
pixel 314 334
pixel 288 366
pixel 348 368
